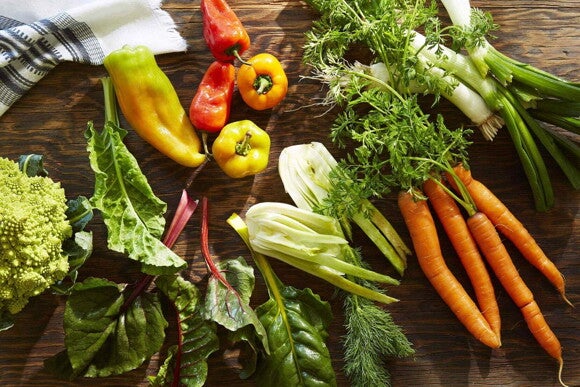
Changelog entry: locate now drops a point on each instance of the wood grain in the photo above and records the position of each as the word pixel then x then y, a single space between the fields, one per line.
pixel 51 119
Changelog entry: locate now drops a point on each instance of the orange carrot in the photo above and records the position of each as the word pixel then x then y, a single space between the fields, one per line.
pixel 498 258
pixel 511 227
pixel 423 233
pixel 450 216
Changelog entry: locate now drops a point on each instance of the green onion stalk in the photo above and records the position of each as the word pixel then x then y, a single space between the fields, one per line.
pixel 519 122
pixel 547 98
pixel 475 24
pixel 471 104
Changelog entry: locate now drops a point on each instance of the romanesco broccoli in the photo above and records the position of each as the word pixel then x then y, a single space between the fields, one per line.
pixel 33 226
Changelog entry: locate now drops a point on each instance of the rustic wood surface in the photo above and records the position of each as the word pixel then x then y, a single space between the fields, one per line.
pixel 50 120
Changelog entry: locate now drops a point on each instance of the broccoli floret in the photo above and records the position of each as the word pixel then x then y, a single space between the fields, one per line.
pixel 33 227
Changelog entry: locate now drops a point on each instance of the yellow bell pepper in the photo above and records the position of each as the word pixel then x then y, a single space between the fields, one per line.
pixel 241 149
pixel 151 106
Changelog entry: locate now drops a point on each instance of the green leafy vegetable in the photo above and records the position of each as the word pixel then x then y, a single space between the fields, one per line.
pixel 396 142
pixel 131 211
pixel 230 286
pixel 229 305
pixel 105 335
pixel 296 322
pixel 32 165
pixel 79 213
pixel 78 248
pixel 186 363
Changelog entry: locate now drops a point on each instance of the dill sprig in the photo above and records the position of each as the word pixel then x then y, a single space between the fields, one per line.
pixel 372 337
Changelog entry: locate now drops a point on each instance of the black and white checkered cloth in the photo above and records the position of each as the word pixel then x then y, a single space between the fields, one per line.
pixel 84 33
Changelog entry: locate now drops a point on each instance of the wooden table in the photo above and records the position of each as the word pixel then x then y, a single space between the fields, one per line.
pixel 51 118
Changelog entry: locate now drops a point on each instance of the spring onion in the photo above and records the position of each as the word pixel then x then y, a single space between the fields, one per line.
pixel 459 94
pixel 475 24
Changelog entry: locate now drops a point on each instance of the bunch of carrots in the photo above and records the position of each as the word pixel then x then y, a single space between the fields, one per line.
pixel 475 239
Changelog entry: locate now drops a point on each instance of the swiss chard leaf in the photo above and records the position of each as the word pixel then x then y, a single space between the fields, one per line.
pixel 296 322
pixel 186 363
pixel 243 350
pixel 229 305
pixel 131 211
pixel 105 336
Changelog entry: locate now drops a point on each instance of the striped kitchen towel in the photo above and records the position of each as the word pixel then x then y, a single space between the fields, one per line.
pixel 37 35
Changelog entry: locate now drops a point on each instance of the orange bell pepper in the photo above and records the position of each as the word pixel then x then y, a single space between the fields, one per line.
pixel 262 82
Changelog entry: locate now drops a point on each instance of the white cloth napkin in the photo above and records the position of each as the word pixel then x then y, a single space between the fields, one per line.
pixel 37 35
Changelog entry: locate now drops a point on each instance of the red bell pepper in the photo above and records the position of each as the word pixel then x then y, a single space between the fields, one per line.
pixel 210 107
pixel 223 32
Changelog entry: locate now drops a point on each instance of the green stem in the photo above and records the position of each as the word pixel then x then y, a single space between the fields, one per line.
pixel 548 84
pixel 570 169
pixel 387 229
pixel 571 124
pixel 111 114
pixel 337 279
pixel 263 84
pixel 243 147
pixel 381 242
pixel 530 157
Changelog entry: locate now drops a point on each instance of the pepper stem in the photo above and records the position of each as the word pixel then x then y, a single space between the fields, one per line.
pixel 236 54
pixel 243 147
pixel 263 84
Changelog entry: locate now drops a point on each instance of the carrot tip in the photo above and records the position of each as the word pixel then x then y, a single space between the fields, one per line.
pixel 566 300
pixel 560 368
